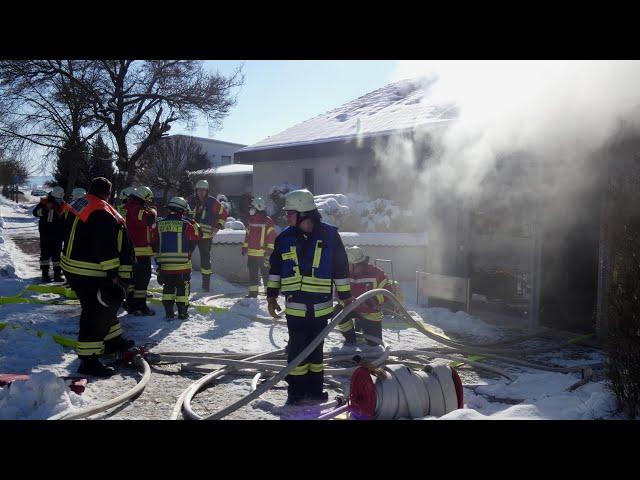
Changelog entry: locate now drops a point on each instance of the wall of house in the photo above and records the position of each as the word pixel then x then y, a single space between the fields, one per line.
pixel 330 174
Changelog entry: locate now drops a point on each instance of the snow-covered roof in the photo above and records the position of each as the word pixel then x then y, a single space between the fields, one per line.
pixel 370 239
pixel 402 105
pixel 232 169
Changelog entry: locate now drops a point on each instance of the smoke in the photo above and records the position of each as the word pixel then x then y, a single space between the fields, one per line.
pixel 550 116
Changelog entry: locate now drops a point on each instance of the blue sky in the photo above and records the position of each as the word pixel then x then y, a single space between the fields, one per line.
pixel 278 94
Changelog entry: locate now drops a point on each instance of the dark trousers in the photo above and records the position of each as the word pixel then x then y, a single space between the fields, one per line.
pixel 99 326
pixel 176 288
pixel 349 326
pixel 204 248
pixel 256 270
pixel 308 377
pixel 137 299
pixel 50 249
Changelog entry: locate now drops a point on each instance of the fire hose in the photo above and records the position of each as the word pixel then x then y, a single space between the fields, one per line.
pixel 142 365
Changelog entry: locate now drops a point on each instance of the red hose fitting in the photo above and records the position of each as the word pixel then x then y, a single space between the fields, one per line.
pixel 362 395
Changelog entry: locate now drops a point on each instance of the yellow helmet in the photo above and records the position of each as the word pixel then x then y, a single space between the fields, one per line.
pixel 299 200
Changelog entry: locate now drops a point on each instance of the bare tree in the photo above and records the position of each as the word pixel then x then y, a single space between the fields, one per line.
pixel 138 101
pixel 167 162
pixel 45 106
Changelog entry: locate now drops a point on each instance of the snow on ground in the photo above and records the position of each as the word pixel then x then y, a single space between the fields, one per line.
pixel 26 346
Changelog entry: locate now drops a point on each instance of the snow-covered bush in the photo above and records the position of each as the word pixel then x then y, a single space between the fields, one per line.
pixel 352 212
pixel 233 224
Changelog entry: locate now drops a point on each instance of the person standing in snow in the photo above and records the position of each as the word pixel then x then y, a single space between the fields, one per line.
pixel 308 258
pixel 258 245
pixel 368 316
pixel 173 238
pixel 140 218
pixel 211 216
pixel 97 252
pixel 51 211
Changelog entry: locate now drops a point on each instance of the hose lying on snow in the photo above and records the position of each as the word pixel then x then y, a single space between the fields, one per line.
pixel 235 361
pixel 139 362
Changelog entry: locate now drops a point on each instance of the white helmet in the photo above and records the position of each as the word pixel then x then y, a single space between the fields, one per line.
pixel 299 200
pixel 222 198
pixel 124 194
pixel 179 204
pixel 143 193
pixel 356 255
pixel 258 204
pixel 202 184
pixel 77 193
pixel 57 193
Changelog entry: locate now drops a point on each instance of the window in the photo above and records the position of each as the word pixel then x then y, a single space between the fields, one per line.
pixel 226 160
pixel 307 178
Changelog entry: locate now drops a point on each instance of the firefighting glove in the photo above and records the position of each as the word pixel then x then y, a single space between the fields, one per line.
pixel 266 263
pixel 274 307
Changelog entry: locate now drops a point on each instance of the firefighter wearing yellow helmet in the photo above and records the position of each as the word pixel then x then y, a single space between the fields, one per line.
pixel 210 215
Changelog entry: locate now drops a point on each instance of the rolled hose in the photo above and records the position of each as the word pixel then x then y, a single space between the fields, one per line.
pixel 139 362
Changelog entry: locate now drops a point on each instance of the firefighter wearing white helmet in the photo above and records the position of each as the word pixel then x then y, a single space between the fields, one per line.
pixel 140 218
pixel 367 318
pixel 308 260
pixel 173 238
pixel 258 245
pixel 210 215
pixel 50 212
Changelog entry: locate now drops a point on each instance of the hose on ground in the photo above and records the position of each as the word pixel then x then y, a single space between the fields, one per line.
pixel 142 365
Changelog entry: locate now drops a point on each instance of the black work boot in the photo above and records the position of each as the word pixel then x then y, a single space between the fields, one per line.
pixel 350 338
pixel 144 311
pixel 320 397
pixel 168 310
pixel 206 281
pixel 118 344
pixel 183 313
pixel 57 274
pixel 45 275
pixel 92 366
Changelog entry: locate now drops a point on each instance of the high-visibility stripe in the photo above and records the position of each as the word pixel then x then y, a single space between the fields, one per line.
pixel 274 278
pixel 80 268
pixel 364 280
pixel 317 281
pixel 316 367
pixel 253 288
pixel 300 370
pixel 269 246
pixel 245 245
pixel 374 317
pixel 314 289
pixel 254 252
pixel 168 297
pixel 143 251
pixel 343 288
pixel 72 236
pixel 169 267
pixel 182 299
pixel 317 254
pixel 346 326
pixel 300 309
pixel 140 214
pixel 86 349
pixel 115 331
pixel 206 271
pixel 272 284
pixel 172 256
pixel 262 230
pixel 295 312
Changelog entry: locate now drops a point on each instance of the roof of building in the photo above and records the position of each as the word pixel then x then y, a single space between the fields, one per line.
pixel 226 170
pixel 402 105
pixel 213 140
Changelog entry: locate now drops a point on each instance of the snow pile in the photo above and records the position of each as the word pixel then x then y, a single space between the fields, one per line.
pixel 40 397
pixel 7 270
pixel 233 224
pixel 353 212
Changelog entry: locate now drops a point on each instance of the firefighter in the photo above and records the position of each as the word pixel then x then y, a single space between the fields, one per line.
pixel 174 237
pixel 367 317
pixel 308 257
pixel 140 218
pixel 211 216
pixel 51 211
pixel 123 197
pixel 97 250
pixel 258 245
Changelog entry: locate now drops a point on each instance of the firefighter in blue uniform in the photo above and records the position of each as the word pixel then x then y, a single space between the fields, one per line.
pixel 173 239
pixel 307 261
